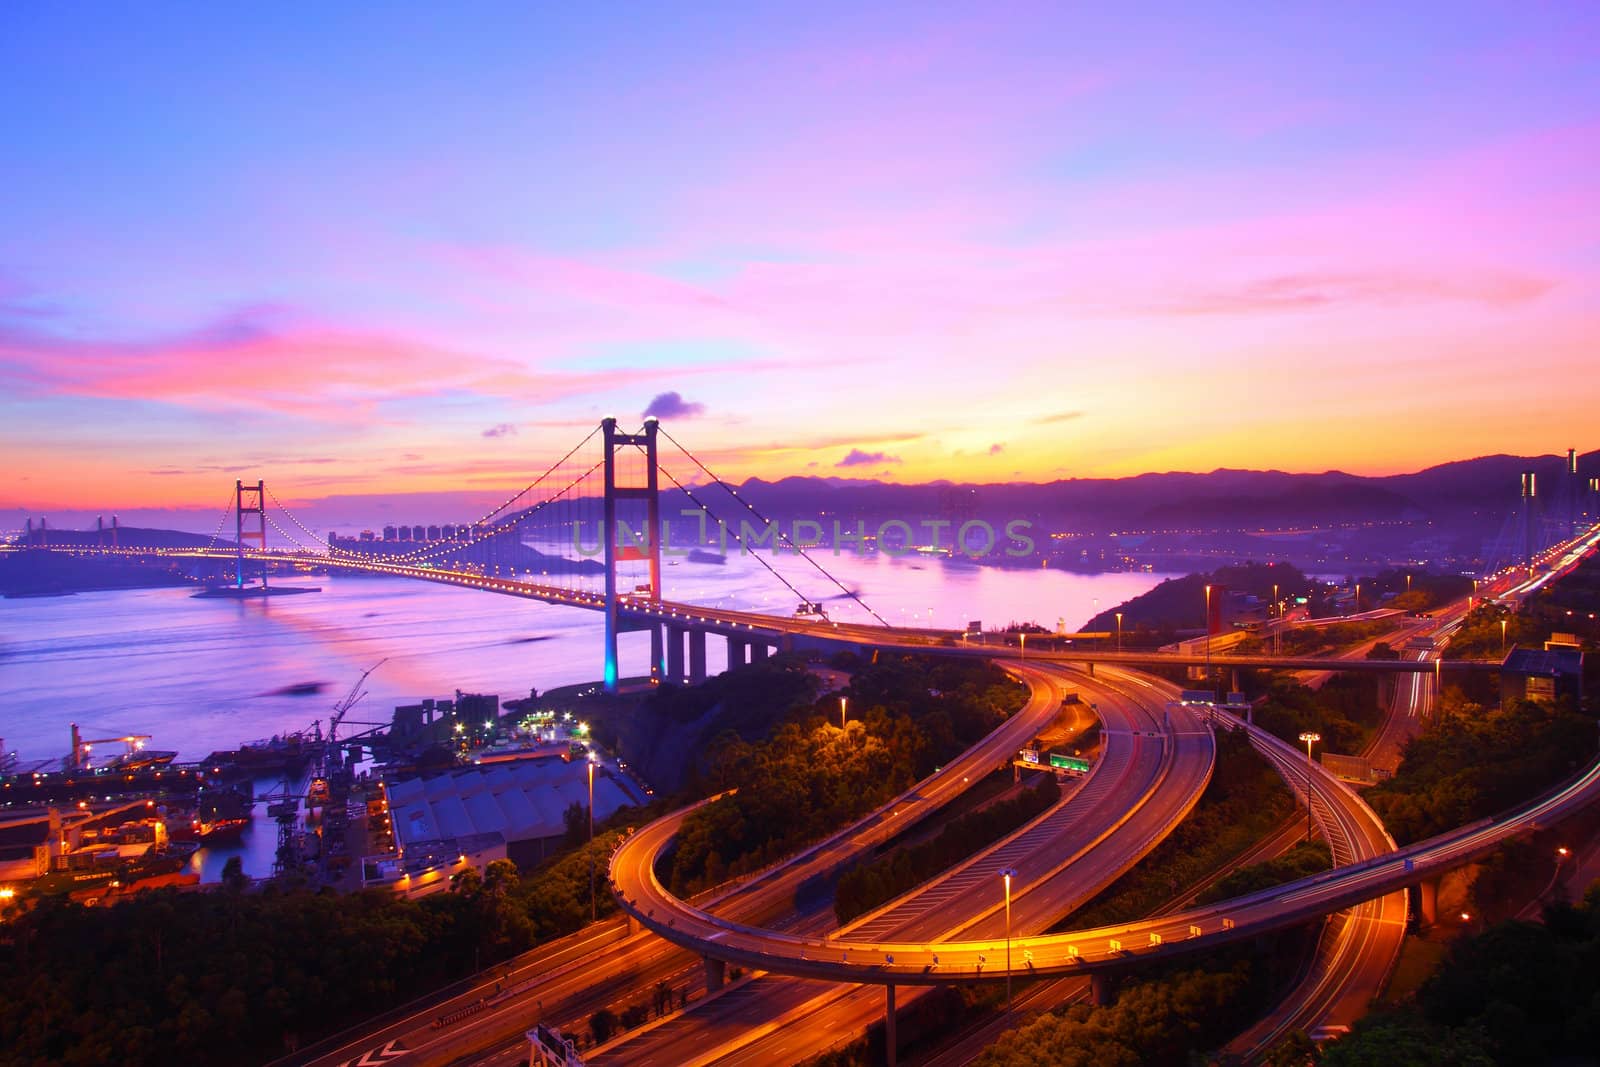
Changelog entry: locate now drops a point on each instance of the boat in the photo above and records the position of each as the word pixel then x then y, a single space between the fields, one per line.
pixel 220 814
pixel 275 755
pixel 140 759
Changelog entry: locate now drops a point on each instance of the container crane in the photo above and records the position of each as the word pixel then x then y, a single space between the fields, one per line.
pixel 330 786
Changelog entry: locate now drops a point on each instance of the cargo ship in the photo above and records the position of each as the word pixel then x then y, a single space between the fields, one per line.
pixel 221 813
pixel 288 753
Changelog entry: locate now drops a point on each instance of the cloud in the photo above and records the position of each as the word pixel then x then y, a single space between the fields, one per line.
pixel 504 429
pixel 1300 291
pixel 673 406
pixel 858 458
pixel 1060 416
pixel 238 360
pixel 996 448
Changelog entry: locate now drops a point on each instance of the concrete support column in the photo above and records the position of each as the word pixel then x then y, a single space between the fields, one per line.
pixel 633 924
pixel 716 974
pixel 1234 678
pixel 1430 901
pixel 738 652
pixel 758 651
pixel 889 1038
pixel 1100 988
pixel 697 656
pixel 658 655
pixel 675 654
pixel 1091 668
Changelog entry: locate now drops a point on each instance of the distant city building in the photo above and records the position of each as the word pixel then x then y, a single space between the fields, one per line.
pixel 449 531
pixel 390 534
pixel 368 535
pixel 405 533
pixel 419 533
pixel 433 533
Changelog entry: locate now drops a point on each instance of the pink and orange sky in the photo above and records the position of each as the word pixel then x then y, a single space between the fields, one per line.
pixel 375 251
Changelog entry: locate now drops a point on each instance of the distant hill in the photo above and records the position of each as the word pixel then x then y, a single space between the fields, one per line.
pixel 125 537
pixel 1486 486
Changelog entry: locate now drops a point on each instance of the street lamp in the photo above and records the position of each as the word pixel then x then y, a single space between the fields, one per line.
pixel 1276 630
pixel 1310 739
pixel 1008 874
pixel 592 905
pixel 842 701
pixel 1502 635
pixel 1358 599
pixel 1022 639
pixel 1208 636
pixel 1119 631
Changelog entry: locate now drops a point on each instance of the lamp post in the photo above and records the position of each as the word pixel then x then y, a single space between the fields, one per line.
pixel 1358 599
pixel 842 702
pixel 1279 627
pixel 1007 875
pixel 1208 638
pixel 1310 739
pixel 1022 639
pixel 1502 635
pixel 1119 631
pixel 592 905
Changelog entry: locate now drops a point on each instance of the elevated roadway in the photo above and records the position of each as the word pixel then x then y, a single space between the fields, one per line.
pixel 1077 952
pixel 1150 775
pixel 630 965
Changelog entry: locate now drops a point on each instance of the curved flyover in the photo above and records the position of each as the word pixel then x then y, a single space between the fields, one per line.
pixel 1077 952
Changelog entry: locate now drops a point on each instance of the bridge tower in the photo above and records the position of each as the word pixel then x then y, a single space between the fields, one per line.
pixel 644 544
pixel 250 500
pixel 1529 535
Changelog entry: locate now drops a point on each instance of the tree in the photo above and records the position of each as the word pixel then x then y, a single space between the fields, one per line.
pixel 576 820
pixel 233 876
pixel 602 1024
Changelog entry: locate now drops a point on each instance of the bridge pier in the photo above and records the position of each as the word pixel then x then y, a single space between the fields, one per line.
pixel 675 636
pixel 716 974
pixel 1100 989
pixel 738 652
pixel 758 651
pixel 658 654
pixel 1428 889
pixel 697 656
pixel 1091 668
pixel 889 1038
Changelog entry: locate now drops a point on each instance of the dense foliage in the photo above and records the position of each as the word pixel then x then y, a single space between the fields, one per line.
pixel 865 887
pixel 1243 800
pixel 1152 1023
pixel 227 977
pixel 908 715
pixel 1473 762
pixel 1517 993
pixel 1345 711
pixel 1301 861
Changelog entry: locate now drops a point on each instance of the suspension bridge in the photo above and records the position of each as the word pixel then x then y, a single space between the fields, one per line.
pixel 591 532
